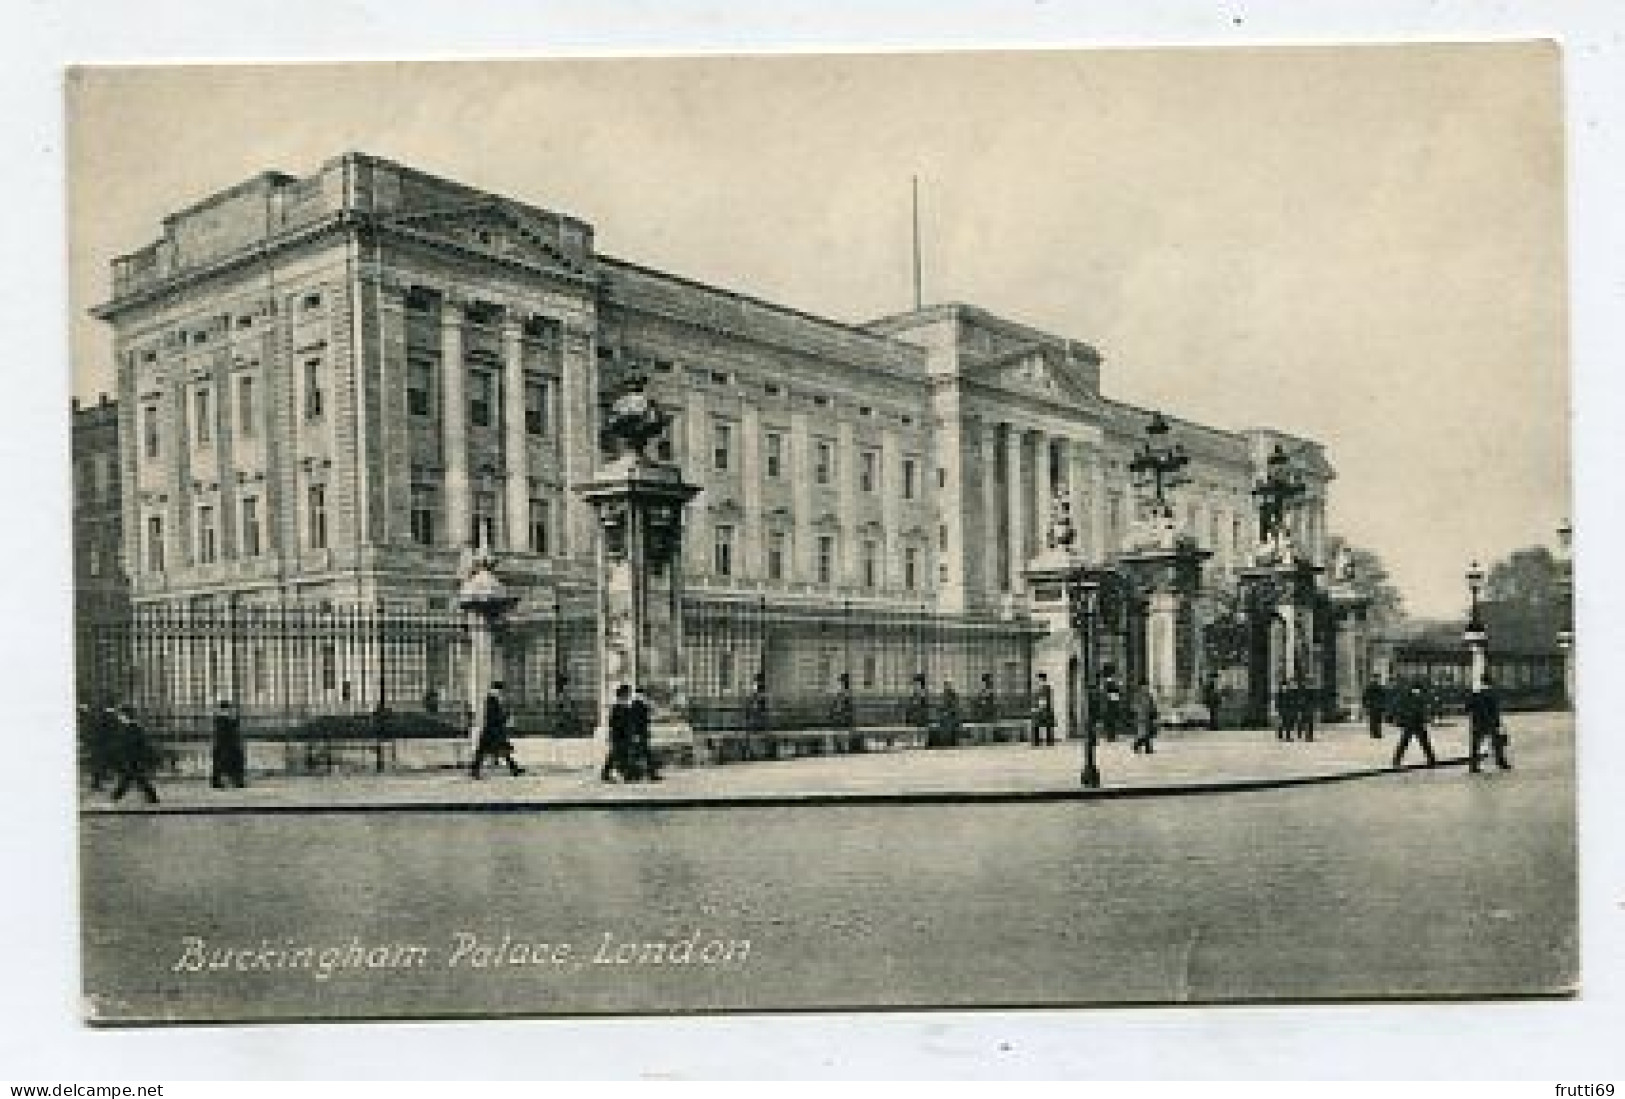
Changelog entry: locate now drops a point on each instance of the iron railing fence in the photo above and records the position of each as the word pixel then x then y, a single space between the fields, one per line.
pixel 756 665
pixel 322 679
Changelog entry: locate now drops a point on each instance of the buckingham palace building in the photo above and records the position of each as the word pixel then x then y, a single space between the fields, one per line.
pixel 329 386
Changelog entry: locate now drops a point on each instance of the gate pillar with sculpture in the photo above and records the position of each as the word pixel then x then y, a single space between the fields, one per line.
pixel 639 502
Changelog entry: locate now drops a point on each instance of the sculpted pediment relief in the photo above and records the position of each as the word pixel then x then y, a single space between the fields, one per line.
pixel 495 229
pixel 1037 371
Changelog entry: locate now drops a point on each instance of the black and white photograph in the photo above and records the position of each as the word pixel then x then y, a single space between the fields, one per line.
pixel 996 529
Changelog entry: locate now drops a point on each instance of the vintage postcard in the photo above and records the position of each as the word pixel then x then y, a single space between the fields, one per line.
pixel 672 535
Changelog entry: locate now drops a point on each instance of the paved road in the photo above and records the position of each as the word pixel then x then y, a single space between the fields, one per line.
pixel 1415 884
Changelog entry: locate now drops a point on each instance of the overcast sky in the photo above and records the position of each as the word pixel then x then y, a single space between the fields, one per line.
pixel 1363 245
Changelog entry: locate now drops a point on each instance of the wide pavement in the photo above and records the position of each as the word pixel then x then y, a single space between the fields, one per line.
pixel 1184 761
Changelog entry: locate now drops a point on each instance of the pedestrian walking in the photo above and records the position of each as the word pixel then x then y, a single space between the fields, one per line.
pixel 1484 724
pixel 1114 708
pixel 95 735
pixel 948 717
pixel 133 756
pixel 645 762
pixel 1043 717
pixel 1374 701
pixel 1212 698
pixel 1144 709
pixel 843 715
pixel 1304 711
pixel 1286 711
pixel 618 759
pixel 493 741
pixel 917 710
pixel 1412 718
pixel 756 711
pixel 227 762
pixel 987 701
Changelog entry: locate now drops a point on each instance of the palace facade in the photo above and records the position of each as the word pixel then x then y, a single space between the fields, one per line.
pixel 328 386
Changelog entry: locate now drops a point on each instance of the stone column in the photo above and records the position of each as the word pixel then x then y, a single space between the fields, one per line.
pixel 454 419
pixel 1161 639
pixel 846 474
pixel 891 502
pixel 751 538
pixel 579 428
pixel 987 573
pixel 515 447
pixel 697 421
pixel 1097 489
pixel 1015 496
pixel 803 547
pixel 1043 490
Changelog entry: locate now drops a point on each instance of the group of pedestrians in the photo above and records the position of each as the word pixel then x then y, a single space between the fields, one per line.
pixel 1116 712
pixel 1295 706
pixel 1410 709
pixel 119 750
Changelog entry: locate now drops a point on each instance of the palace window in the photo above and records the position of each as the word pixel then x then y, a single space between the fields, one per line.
pixel 316 516
pixel 911 568
pixel 482 390
pixel 942 477
pixel 155 543
pixel 910 468
pixel 312 301
pixel 721 446
pixel 826 558
pixel 313 389
pixel 775 454
pixel 870 557
pixel 419 380
pixel 541 522
pixel 251 526
pixel 205 534
pixel 868 470
pixel 200 416
pixel 776 543
pixel 245 406
pixel 536 407
pixel 149 430
pixel 423 509
pixel 824 462
pixel 722 551
pixel 870 670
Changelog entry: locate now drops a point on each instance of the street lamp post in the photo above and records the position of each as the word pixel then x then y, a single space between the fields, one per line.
pixel 1565 592
pixel 1083 599
pixel 1477 634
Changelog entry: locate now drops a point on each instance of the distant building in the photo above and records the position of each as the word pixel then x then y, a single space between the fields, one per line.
pixel 98 508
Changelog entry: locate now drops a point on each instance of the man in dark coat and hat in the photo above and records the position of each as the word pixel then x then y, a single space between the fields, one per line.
pixel 1412 718
pixel 228 760
pixel 133 756
pixel 494 740
pixel 618 760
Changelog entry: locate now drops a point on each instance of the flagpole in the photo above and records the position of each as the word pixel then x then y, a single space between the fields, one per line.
pixel 917 298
